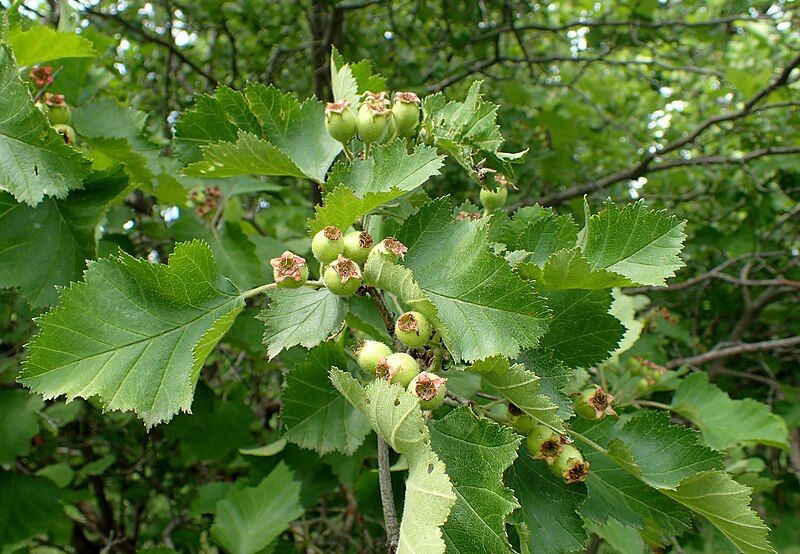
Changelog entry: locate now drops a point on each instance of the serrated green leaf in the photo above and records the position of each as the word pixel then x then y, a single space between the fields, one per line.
pixel 637 243
pixel 568 269
pixel 315 414
pixel 343 84
pixel 364 185
pixel 726 504
pixel 19 414
pixel 539 233
pixel 108 119
pixel 484 307
pixel 248 519
pixel 249 155
pixel 235 255
pixel 41 43
pixel 476 452
pixel 582 332
pixel 553 375
pixel 47 245
pixel 712 410
pixel 28 505
pixel 34 161
pixel 398 280
pixel 664 453
pixel 303 316
pixel 548 506
pixel 521 387
pixel 396 416
pixel 134 333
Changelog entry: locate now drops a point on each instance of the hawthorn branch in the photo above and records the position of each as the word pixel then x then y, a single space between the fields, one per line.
pixel 387 497
pixel 730 351
pixel 645 165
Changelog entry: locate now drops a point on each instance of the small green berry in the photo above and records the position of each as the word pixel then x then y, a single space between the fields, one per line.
pixel 390 248
pixel 413 329
pixel 397 368
pixel 544 443
pixel 370 353
pixel 289 271
pixel 570 465
pixel 493 200
pixel 340 121
pixel 406 113
pixel 373 118
pixel 594 404
pixel 328 244
pixel 518 419
pixel 67 132
pixel 357 246
pixel 429 388
pixel 58 111
pixel 342 277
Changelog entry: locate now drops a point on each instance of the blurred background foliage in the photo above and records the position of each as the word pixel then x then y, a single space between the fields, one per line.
pixel 691 106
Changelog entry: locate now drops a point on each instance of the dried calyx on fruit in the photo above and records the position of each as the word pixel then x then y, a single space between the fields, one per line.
pixel 328 244
pixel 544 443
pixel 369 353
pixel 340 121
pixel 397 368
pixel 342 277
pixel 357 246
pixel 289 270
pixel 41 76
pixel 391 248
pixel 406 113
pixel 570 465
pixel 429 388
pixel 594 403
pixel 413 329
pixel 518 419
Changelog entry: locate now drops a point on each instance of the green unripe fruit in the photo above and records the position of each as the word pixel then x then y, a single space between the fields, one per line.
pixel 370 353
pixel 328 244
pixel 67 132
pixel 357 246
pixel 594 404
pixel 429 388
pixel 390 248
pixel 544 443
pixel 342 277
pixel 570 465
pixel 289 271
pixel 413 329
pixel 373 119
pixel 521 421
pixel 59 115
pixel 494 199
pixel 397 368
pixel 340 121
pixel 406 113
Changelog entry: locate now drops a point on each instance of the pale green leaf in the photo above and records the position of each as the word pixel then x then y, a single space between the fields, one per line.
pixel 568 269
pixel 726 504
pixel 637 243
pixel 134 333
pixel 476 452
pixel 34 161
pixel 484 307
pixel 303 316
pixel 316 416
pixel 41 43
pixel 396 416
pixel 248 519
pixel 712 410
pixel 47 245
pixel 387 174
pixel 343 84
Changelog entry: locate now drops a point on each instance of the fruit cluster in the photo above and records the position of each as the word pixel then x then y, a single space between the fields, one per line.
pixel 59 114
pixel 342 258
pixel 377 119
pixel 649 373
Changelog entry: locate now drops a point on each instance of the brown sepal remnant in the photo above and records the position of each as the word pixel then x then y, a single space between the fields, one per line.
pixel 408 323
pixel 383 370
pixel 428 385
pixel 332 233
pixel 407 97
pixel 365 240
pixel 550 449
pixel 337 107
pixel 54 99
pixel 288 266
pixel 601 401
pixel 377 98
pixel 395 246
pixel 514 410
pixel 346 268
pixel 41 76
pixel 577 472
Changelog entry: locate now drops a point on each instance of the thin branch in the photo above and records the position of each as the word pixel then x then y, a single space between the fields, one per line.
pixel 387 497
pixel 735 350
